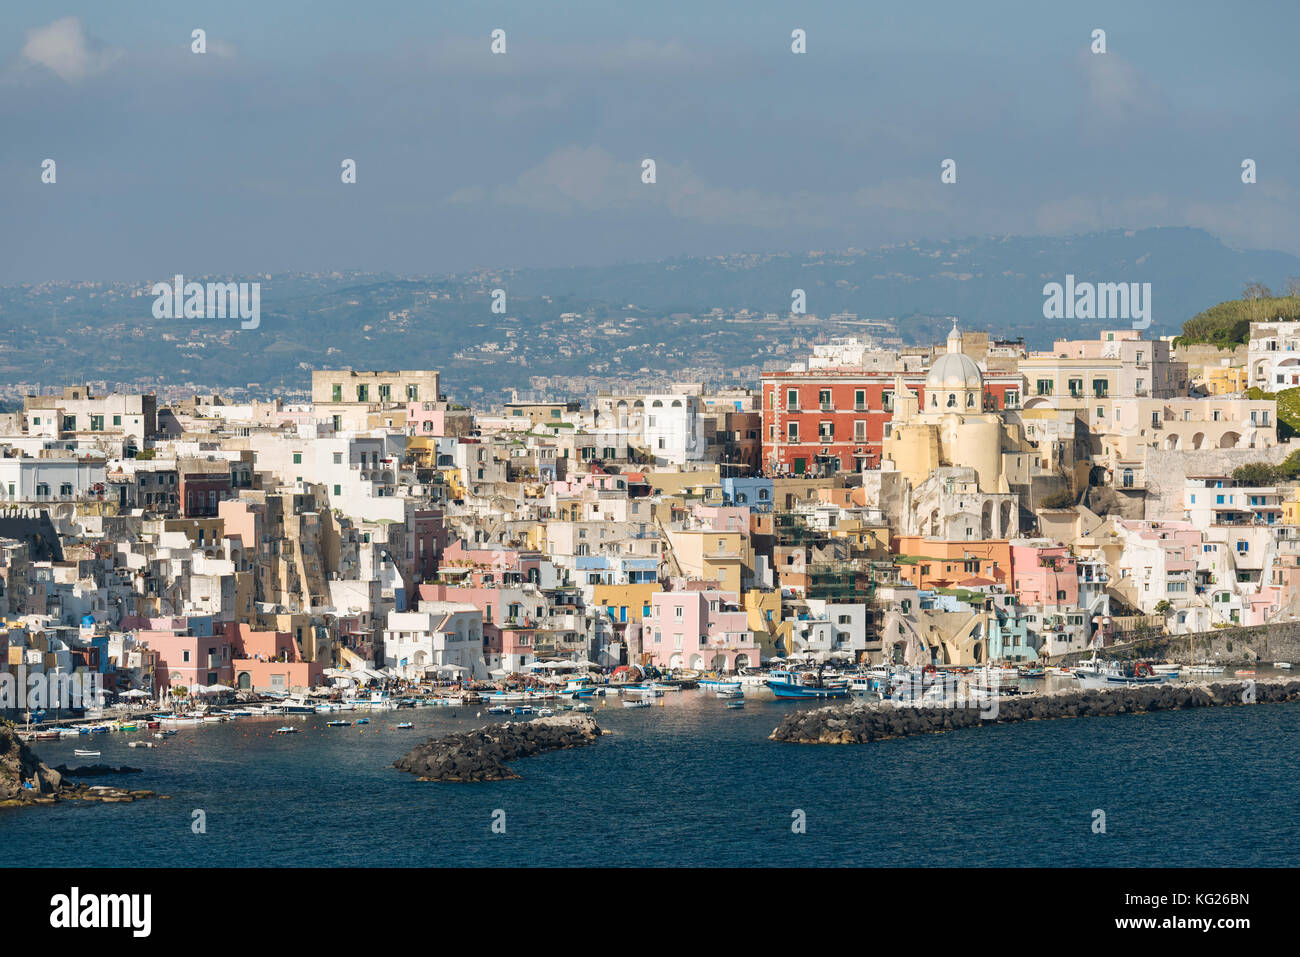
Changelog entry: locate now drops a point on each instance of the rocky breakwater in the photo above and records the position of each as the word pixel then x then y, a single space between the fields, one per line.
pixel 481 754
pixel 859 723
pixel 26 780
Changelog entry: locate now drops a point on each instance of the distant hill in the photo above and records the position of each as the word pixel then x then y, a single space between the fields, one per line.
pixel 653 319
pixel 1228 324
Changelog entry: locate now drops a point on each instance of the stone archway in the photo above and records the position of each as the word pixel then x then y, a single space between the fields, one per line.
pixel 1229 440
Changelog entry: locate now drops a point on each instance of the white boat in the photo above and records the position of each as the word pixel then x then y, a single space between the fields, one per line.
pixel 637 702
pixel 1284 665
pixel 545 712
pixel 141 744
pixel 85 754
pixel 1206 669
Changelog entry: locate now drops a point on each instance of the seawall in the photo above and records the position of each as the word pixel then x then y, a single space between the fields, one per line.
pixel 860 723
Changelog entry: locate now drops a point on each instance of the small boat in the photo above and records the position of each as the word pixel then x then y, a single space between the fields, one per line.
pixel 338 724
pixel 404 725
pixel 286 730
pixel 85 754
pixel 1206 669
pixel 126 727
pixel 1284 665
pixel 583 708
pixel 1244 673
pixel 153 725
pixel 545 712
pixel 45 736
pixel 637 702
pixel 736 703
pixel 719 684
pixel 69 733
pixel 731 693
pixel 363 720
pixel 1030 672
pixel 141 744
pixel 498 709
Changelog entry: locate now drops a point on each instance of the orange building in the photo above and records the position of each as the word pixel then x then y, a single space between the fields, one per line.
pixel 929 563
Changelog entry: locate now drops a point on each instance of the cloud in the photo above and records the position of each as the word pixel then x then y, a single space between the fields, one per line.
pixel 583 180
pixel 64 48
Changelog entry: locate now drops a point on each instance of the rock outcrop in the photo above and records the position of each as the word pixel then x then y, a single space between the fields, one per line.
pixel 856 724
pixel 25 780
pixel 481 754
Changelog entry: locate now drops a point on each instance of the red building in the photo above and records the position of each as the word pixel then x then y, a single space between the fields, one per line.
pixel 825 420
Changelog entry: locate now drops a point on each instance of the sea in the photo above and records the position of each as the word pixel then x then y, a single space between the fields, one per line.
pixel 689 782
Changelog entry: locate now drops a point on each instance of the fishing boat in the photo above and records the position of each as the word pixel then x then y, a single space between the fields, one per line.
pixel 85 754
pixel 338 724
pixel 1284 665
pixel 402 726
pixel 69 733
pixel 731 693
pixel 792 684
pixel 45 736
pixel 736 703
pixel 545 712
pixel 1115 673
pixel 583 708
pixel 297 704
pixel 1031 672
pixel 637 702
pixel 1171 670
pixel 1206 669
pixel 286 730
pixel 719 684
pixel 498 709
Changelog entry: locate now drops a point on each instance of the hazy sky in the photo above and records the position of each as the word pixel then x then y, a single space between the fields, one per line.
pixel 229 162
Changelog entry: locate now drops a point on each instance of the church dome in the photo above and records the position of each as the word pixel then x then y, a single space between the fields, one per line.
pixel 955 370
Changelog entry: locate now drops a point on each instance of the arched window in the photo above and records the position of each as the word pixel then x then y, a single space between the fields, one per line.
pixel 970 400
pixel 952 400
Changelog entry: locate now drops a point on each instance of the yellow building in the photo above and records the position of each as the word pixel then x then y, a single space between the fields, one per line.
pixel 712 555
pixel 1226 380
pixel 953 429
pixel 628 603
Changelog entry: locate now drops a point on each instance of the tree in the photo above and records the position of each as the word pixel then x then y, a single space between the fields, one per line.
pixel 1164 608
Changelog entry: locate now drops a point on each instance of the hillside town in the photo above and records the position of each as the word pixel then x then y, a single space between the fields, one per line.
pixel 965 503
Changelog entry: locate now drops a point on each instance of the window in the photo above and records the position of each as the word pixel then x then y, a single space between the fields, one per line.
pixel 792 398
pixel 1100 388
pixel 117 419
pixel 860 431
pixel 297 458
pixel 824 399
pixel 1045 386
pixel 97 423
pixel 826 431
pixel 385 392
pixel 413 393
pixel 338 489
pixel 338 458
pixel 792 432
pixel 363 393
pixel 337 395
pixel 860 400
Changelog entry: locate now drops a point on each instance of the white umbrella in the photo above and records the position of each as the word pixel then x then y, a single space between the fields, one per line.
pixel 133 693
pixel 219 688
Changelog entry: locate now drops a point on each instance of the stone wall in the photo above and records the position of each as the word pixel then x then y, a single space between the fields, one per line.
pixel 1166 473
pixel 1276 641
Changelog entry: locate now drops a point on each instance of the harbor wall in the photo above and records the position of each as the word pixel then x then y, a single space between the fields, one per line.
pixel 858 723
pixel 1263 644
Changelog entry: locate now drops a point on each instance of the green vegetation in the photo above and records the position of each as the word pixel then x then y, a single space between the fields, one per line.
pixel 1288 410
pixel 1062 499
pixel 1262 473
pixel 1228 324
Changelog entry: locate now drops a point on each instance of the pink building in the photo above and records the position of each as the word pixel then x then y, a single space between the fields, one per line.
pixel 698 628
pixel 188 660
pixel 1044 575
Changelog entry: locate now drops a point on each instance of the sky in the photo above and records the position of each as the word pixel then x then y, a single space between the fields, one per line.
pixel 229 162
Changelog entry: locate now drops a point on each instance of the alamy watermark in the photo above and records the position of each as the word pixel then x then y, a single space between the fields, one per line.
pixel 43 691
pixel 1129 301
pixel 214 300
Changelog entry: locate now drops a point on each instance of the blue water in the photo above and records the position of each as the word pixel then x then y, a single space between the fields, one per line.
pixel 691 783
